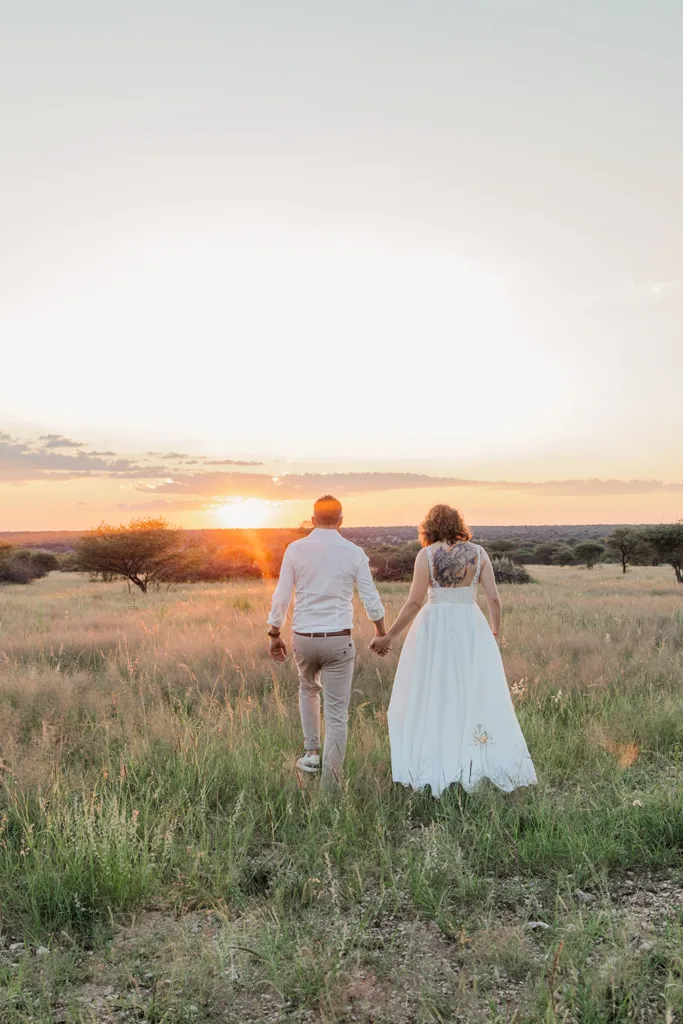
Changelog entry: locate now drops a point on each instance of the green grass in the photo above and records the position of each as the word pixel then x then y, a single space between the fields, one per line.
pixel 156 839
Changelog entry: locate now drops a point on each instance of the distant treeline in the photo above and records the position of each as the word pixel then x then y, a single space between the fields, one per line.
pixel 149 551
pixel 63 541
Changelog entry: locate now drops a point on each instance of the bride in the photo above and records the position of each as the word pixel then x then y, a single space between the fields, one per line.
pixel 451 718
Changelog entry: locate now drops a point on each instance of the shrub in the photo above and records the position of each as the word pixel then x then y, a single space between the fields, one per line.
pixel 563 555
pixel 589 552
pixel 393 563
pixel 44 561
pixel 543 553
pixel 506 571
pixel 18 565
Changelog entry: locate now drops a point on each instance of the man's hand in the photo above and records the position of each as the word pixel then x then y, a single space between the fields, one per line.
pixel 278 649
pixel 381 644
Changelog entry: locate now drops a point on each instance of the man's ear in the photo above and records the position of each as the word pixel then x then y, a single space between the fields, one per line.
pixel 341 520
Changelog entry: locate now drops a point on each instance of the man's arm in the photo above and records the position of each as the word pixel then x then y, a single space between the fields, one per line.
pixel 369 595
pixel 279 607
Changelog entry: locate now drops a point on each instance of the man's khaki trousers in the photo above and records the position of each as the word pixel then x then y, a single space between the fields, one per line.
pixel 325 666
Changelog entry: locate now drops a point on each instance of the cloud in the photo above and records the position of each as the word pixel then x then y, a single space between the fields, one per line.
pixel 21 464
pixel 159 505
pixel 59 441
pixel 310 485
pixel 291 486
pixel 230 462
pixel 579 488
pixel 193 460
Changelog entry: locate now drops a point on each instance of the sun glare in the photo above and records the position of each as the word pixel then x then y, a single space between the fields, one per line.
pixel 244 513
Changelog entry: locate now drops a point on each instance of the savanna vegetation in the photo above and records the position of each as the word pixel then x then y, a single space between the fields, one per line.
pixel 150 551
pixel 161 861
pixel 23 565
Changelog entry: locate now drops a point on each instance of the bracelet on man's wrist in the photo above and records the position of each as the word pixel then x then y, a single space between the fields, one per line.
pixel 275 635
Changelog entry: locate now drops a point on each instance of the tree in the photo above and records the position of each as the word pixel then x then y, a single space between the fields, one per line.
pixel 628 544
pixel 143 552
pixel 563 555
pixel 588 552
pixel 666 542
pixel 500 547
pixel 544 552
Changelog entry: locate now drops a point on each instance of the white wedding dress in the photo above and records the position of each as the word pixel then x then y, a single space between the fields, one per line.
pixel 451 718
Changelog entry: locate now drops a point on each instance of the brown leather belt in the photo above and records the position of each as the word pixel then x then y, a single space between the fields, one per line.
pixel 339 632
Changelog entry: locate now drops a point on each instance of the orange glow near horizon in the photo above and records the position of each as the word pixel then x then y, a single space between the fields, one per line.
pixel 82 504
pixel 245 513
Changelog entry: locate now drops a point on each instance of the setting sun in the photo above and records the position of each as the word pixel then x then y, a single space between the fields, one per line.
pixel 244 513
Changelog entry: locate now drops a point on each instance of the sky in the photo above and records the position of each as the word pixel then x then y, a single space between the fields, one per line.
pixel 404 251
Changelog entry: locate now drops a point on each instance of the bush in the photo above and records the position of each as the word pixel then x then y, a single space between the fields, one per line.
pixel 563 555
pixel 589 552
pixel 506 571
pixel 44 561
pixel 543 553
pixel 392 563
pixel 18 565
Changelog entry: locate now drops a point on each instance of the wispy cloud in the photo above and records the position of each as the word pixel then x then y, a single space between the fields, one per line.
pixel 230 462
pixel 57 457
pixel 164 485
pixel 291 486
pixel 59 441
pixel 310 485
pixel 20 463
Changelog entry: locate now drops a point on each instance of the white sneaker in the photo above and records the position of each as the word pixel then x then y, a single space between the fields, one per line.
pixel 309 763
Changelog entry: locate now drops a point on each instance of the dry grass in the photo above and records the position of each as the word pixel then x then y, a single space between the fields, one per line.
pixel 151 745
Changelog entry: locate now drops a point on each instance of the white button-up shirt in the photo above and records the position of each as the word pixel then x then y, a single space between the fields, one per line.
pixel 322 569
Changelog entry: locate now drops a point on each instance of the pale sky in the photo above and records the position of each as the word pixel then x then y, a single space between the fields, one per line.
pixel 442 239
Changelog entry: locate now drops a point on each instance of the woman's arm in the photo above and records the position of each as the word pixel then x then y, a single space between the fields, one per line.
pixel 418 591
pixel 488 582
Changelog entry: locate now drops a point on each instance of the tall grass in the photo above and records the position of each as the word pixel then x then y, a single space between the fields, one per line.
pixel 150 748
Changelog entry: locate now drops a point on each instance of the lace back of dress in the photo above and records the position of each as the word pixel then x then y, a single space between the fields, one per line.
pixel 459 566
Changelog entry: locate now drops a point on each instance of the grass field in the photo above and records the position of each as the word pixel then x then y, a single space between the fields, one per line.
pixel 161 861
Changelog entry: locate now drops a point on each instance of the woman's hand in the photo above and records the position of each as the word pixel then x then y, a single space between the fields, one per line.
pixel 381 645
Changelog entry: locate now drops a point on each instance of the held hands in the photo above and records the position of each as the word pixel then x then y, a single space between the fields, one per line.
pixel 381 645
pixel 278 649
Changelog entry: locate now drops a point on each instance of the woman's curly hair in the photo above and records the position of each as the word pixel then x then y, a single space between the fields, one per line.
pixel 443 523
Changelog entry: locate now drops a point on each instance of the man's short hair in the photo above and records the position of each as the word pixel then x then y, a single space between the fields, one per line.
pixel 327 510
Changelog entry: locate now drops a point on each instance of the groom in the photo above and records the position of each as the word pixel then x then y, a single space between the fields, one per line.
pixel 322 569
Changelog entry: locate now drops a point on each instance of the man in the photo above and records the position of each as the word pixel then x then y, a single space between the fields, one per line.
pixel 322 569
